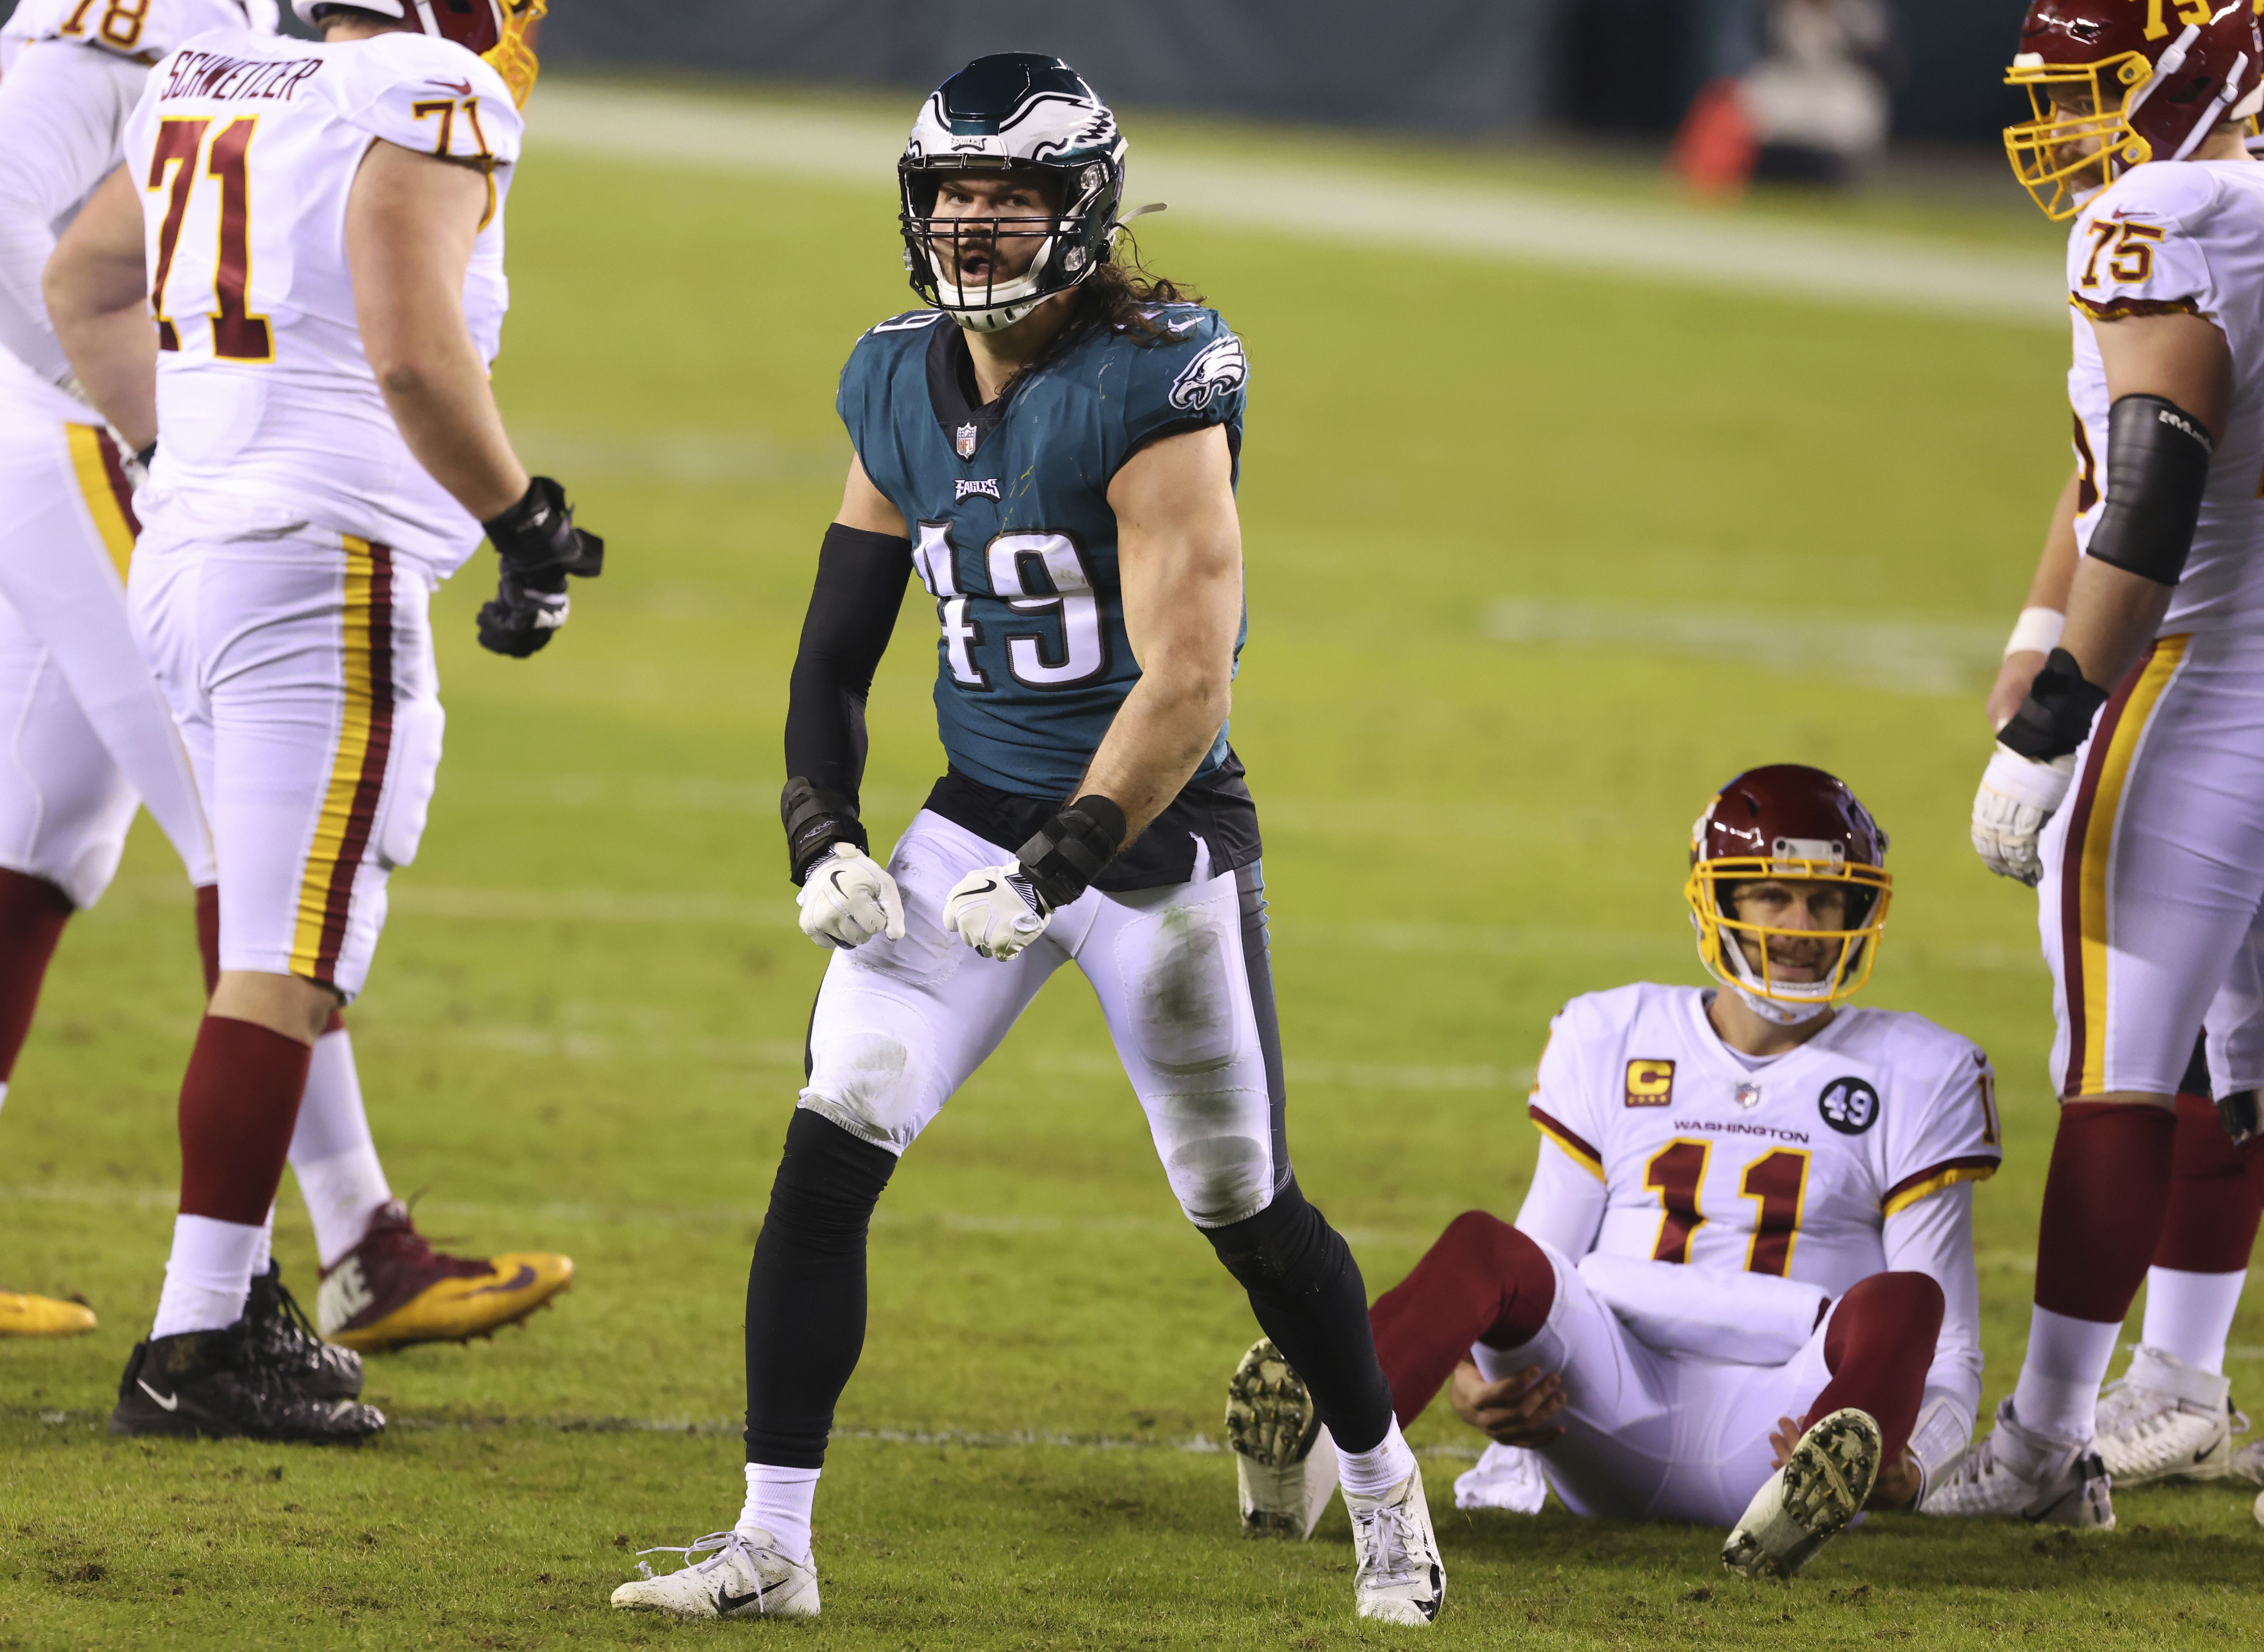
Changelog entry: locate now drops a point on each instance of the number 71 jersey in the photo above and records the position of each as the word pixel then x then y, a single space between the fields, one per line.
pixel 245 149
pixel 1790 1168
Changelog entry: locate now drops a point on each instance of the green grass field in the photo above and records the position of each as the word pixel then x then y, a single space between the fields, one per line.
pixel 584 1030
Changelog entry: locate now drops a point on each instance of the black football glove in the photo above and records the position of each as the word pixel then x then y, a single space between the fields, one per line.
pixel 540 547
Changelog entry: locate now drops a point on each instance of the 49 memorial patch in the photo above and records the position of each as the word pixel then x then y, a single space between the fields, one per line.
pixel 1849 1105
pixel 1649 1084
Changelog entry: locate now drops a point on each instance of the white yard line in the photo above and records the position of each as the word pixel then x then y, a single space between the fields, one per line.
pixel 1720 251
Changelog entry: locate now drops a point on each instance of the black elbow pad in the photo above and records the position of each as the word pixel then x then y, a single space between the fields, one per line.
pixel 2157 457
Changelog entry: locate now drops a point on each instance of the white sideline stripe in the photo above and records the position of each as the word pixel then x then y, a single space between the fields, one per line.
pixel 1726 251
pixel 1906 657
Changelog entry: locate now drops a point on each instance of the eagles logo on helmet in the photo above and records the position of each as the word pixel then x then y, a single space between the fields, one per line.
pixel 1012 112
pixel 2113 83
pixel 501 31
pixel 1787 821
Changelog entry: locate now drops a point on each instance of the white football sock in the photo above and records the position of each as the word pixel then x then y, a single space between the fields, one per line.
pixel 331 1153
pixel 779 1501
pixel 4 1092
pixel 263 1251
pixel 1372 1473
pixel 2189 1315
pixel 2057 1394
pixel 207 1276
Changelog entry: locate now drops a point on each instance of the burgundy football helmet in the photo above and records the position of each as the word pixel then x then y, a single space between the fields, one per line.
pixel 501 31
pixel 2113 83
pixel 1787 821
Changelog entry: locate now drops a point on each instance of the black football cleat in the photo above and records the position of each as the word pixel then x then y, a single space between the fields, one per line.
pixel 284 1340
pixel 213 1385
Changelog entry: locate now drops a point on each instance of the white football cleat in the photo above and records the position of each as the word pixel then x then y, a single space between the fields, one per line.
pixel 2017 1474
pixel 1396 1575
pixel 743 1578
pixel 1809 1502
pixel 2164 1420
pixel 1285 1464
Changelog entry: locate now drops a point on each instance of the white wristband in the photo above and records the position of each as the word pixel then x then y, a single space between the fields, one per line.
pixel 2036 631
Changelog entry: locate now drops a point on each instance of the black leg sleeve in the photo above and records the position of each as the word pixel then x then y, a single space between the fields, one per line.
pixel 1306 1293
pixel 806 1290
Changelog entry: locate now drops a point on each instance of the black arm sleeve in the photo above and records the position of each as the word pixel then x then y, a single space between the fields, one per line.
pixel 852 611
pixel 2157 457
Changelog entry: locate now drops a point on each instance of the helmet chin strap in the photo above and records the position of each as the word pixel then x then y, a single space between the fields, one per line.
pixel 1770 1009
pixel 1020 296
pixel 1773 1010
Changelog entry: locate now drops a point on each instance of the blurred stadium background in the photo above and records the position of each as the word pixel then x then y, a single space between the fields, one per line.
pixel 1567 495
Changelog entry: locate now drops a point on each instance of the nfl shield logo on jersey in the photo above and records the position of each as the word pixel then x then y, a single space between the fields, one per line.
pixel 1749 1096
pixel 966 443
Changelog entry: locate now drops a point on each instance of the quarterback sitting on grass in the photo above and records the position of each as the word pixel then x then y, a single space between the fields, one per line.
pixel 1741 1290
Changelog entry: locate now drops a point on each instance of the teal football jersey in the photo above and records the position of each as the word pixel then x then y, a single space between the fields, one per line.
pixel 1013 532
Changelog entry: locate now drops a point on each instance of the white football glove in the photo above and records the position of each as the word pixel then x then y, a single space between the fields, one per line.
pixel 848 899
pixel 995 911
pixel 2018 796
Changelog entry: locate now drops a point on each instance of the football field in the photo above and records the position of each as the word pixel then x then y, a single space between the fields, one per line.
pixel 1545 541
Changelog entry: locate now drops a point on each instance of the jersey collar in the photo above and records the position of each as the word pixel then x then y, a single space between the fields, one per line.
pixel 951 392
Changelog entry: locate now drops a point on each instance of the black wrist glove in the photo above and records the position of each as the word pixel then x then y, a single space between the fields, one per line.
pixel 2239 1113
pixel 540 547
pixel 2056 717
pixel 1070 850
pixel 814 822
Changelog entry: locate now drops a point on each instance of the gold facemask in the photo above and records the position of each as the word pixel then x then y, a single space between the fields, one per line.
pixel 2074 146
pixel 1719 930
pixel 512 57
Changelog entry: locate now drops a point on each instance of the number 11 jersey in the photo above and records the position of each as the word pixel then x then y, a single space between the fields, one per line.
pixel 246 148
pixel 1789 1167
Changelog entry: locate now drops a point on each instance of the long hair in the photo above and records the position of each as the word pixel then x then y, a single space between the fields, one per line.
pixel 1121 295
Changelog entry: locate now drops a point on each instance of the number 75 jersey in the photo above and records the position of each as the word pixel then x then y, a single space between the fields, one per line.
pixel 1789 1168
pixel 245 149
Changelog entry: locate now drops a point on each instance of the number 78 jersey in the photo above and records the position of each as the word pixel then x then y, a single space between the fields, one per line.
pixel 245 149
pixel 1790 1168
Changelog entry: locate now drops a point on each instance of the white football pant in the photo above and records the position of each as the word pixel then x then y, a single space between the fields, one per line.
pixel 1650 1435
pixel 2153 878
pixel 84 734
pixel 300 669
pixel 1181 975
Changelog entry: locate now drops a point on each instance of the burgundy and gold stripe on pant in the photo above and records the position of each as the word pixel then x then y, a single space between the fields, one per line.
pixel 2084 908
pixel 102 484
pixel 358 770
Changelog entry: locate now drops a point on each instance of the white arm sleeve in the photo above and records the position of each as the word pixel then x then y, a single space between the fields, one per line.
pixel 1934 1237
pixel 1565 1204
pixel 62 109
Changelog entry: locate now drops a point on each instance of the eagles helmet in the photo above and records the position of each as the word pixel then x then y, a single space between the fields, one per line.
pixel 1787 821
pixel 500 31
pixel 2112 85
pixel 1008 112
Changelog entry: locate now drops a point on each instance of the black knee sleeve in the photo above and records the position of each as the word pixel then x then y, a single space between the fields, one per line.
pixel 806 1290
pixel 1306 1293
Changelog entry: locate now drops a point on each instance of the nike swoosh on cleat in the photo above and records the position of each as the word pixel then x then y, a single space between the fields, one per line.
pixel 518 1281
pixel 168 1402
pixel 726 1601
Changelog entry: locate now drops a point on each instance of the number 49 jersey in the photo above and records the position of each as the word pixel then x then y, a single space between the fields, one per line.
pixel 2165 237
pixel 1789 1168
pixel 1014 533
pixel 246 148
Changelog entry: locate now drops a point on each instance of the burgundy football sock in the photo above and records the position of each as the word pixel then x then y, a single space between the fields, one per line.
pixel 33 913
pixel 239 1102
pixel 208 935
pixel 2105 1196
pixel 2216 1195
pixel 1482 1281
pixel 1878 1348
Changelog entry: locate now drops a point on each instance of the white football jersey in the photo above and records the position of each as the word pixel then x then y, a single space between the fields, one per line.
pixel 145 30
pixel 62 126
pixel 246 148
pixel 2182 236
pixel 1789 1168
